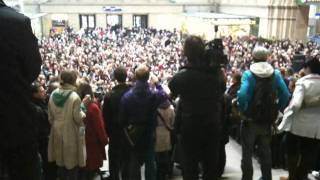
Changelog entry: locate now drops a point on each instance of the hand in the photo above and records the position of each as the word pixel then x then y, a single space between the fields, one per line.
pixel 153 79
pixel 86 100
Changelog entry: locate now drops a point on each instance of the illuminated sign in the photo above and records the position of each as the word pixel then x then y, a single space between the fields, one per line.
pixel 303 2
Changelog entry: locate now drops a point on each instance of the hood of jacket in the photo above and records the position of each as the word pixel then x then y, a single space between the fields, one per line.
pixel 61 95
pixel 262 69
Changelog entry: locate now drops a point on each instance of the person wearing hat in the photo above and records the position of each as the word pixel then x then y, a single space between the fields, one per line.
pixel 261 78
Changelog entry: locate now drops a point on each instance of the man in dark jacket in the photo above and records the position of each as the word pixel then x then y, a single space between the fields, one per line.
pixel 138 115
pixel 43 130
pixel 200 107
pixel 118 155
pixel 19 67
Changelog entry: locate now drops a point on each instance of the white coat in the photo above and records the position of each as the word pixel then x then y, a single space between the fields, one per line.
pixel 67 137
pixel 302 116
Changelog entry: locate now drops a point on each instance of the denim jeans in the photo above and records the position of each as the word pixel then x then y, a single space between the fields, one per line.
pixel 256 134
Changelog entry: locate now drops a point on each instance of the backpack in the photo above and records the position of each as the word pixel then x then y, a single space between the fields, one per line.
pixel 263 106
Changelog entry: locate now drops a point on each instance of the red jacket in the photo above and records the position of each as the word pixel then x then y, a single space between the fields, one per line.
pixel 96 137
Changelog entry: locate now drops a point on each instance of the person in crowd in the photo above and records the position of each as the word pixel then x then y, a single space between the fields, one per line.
pixel 163 144
pixel 138 117
pixel 302 123
pixel 262 94
pixel 20 66
pixel 118 151
pixel 38 99
pixel 201 96
pixel 67 137
pixel 96 136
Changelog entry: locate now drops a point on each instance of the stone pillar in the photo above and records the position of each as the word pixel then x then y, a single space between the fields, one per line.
pixel 46 24
pixel 127 20
pixel 101 20
pixel 301 24
pixel 74 21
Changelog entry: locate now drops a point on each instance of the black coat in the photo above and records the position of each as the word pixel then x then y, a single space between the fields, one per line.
pixel 20 63
pixel 201 97
pixel 111 110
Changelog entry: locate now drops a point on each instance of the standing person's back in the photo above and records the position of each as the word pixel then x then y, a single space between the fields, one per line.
pixel 118 151
pixel 200 108
pixel 163 144
pixel 137 114
pixel 262 94
pixel 19 67
pixel 67 137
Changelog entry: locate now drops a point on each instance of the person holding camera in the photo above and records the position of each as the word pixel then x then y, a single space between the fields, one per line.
pixel 198 124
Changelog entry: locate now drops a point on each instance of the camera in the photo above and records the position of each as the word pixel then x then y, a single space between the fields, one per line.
pixel 215 58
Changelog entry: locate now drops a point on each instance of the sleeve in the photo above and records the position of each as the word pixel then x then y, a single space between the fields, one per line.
pixel 50 113
pixel 297 98
pixel 78 115
pixel 161 95
pixel 98 124
pixel 283 92
pixel 173 116
pixel 123 117
pixel 107 112
pixel 173 86
pixel 243 93
pixel 31 58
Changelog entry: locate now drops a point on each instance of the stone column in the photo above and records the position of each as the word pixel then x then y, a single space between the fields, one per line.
pixel 301 25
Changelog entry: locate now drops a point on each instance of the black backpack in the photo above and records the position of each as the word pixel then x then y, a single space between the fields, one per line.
pixel 263 106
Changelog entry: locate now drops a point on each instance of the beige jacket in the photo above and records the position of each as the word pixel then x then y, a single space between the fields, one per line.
pixel 163 139
pixel 67 137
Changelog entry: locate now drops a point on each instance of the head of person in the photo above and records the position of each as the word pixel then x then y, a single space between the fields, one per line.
pixel 142 73
pixel 53 84
pixel 260 54
pixel 120 74
pixel 292 84
pixel 194 50
pixel 37 91
pixel 68 77
pixel 312 66
pixel 236 78
pixel 84 89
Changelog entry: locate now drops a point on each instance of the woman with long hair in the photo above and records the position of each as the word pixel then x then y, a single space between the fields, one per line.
pixel 96 136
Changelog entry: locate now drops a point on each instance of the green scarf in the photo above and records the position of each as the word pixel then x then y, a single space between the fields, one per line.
pixel 60 98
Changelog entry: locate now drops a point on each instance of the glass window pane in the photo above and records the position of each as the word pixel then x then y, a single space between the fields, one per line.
pixel 84 21
pixel 91 21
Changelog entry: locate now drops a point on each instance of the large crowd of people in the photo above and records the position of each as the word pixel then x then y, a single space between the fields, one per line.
pixel 95 53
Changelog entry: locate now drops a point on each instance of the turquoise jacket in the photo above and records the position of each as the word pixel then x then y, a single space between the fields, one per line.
pixel 248 82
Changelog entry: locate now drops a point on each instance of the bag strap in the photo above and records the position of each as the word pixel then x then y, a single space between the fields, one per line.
pixel 164 122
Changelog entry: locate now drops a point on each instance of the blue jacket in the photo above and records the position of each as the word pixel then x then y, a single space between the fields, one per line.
pixel 139 105
pixel 248 82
